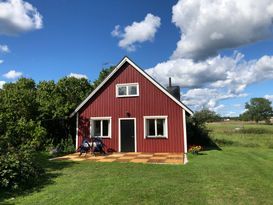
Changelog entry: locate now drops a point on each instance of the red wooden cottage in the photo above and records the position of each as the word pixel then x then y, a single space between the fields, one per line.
pixel 133 113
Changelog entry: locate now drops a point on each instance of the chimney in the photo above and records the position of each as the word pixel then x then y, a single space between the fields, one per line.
pixel 174 90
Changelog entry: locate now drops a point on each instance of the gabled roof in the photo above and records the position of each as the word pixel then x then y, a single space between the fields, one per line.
pixel 122 62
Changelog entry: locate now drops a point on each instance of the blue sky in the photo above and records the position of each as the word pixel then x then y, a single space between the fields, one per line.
pixel 219 60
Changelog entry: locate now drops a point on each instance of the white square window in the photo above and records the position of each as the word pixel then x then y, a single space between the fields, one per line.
pixel 127 90
pixel 155 127
pixel 100 127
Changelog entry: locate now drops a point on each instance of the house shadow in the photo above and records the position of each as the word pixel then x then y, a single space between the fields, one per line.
pixel 52 168
pixel 201 153
pixel 199 134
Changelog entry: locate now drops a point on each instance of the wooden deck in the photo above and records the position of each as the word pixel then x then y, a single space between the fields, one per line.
pixel 134 157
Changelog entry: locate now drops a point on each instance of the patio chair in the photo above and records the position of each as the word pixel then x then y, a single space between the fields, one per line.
pixel 84 147
pixel 97 146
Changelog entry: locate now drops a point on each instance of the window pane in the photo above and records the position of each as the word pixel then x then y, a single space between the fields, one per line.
pixel 150 127
pixel 160 127
pixel 132 90
pixel 96 127
pixel 122 90
pixel 105 127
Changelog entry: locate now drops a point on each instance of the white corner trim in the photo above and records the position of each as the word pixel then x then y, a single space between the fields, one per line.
pixel 124 60
pixel 119 133
pixel 185 159
pixel 77 131
pixel 110 126
pixel 185 132
pixel 165 117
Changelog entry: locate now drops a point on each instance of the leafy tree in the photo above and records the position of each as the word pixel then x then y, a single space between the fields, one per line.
pixel 20 134
pixel 258 109
pixel 245 116
pixel 29 115
pixel 103 74
pixel 18 115
pixel 57 101
pixel 206 115
pixel 70 91
pixel 19 99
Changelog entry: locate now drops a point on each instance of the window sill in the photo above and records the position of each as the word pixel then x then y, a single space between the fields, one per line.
pixel 126 96
pixel 102 137
pixel 158 137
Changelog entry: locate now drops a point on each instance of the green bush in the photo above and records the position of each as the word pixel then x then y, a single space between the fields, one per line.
pixel 198 134
pixel 18 170
pixel 66 146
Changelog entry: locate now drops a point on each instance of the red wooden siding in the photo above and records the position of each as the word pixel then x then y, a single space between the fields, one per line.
pixel 150 102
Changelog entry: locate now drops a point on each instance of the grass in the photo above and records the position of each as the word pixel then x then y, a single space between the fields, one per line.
pixel 242 134
pixel 238 174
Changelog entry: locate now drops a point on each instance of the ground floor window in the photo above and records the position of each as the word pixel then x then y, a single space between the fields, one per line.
pixel 100 127
pixel 155 126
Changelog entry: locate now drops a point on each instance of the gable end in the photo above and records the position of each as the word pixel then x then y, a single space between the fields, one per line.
pixel 122 62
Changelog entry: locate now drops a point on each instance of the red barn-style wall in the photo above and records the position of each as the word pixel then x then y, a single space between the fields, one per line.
pixel 151 101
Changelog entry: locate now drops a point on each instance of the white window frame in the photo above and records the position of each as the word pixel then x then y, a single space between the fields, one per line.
pixel 127 89
pixel 101 126
pixel 155 118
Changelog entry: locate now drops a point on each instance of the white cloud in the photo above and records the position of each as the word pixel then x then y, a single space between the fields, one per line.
pixel 77 75
pixel 18 16
pixel 1 61
pixel 4 48
pixel 208 26
pixel 230 114
pixel 116 31
pixel 138 32
pixel 230 110
pixel 269 97
pixel 199 98
pixel 1 84
pixel 188 73
pixel 12 74
pixel 215 79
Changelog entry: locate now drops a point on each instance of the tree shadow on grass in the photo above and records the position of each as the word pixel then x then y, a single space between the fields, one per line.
pixel 199 134
pixel 52 168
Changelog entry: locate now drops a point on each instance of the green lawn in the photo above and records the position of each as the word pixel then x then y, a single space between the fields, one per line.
pixel 242 134
pixel 239 174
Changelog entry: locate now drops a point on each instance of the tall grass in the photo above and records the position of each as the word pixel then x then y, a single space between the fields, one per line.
pixel 242 134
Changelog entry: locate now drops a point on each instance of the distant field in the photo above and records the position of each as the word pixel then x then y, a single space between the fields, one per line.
pixel 239 174
pixel 242 134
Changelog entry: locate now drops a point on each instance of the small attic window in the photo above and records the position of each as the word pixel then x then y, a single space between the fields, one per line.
pixel 127 90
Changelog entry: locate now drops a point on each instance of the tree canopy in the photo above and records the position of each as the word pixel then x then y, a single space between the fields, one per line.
pixel 33 117
pixel 257 109
pixel 206 115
